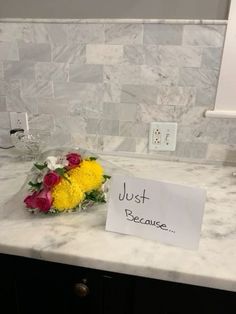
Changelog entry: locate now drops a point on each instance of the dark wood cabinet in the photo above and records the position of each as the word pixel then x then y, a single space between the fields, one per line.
pixel 32 286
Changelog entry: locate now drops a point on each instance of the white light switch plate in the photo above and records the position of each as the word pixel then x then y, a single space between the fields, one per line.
pixel 162 136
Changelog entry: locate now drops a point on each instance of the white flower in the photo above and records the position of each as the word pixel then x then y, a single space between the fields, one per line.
pixel 56 162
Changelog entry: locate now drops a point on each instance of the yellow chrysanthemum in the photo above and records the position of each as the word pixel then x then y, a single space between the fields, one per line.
pixel 89 175
pixel 67 195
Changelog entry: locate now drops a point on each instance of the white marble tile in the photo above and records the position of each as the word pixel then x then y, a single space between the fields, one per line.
pixel 176 96
pixel 116 144
pixel 206 96
pixel 189 115
pixel 19 70
pixel 152 54
pixel 59 138
pixel 9 87
pixel 36 88
pixel 179 56
pixel 232 136
pixel 153 112
pixel 200 78
pixel 134 129
pixel 139 94
pixel 211 58
pixel 83 93
pixel 85 142
pixel 55 107
pixel 86 33
pixel 3 103
pixel 46 33
pixel 34 52
pixel 134 54
pixel 122 111
pixel 191 150
pixel 112 92
pixel 194 133
pixel 162 34
pixel 141 145
pixel 221 152
pixel 9 51
pixel 71 123
pixel 69 53
pixel 104 54
pixel 124 33
pixel 204 35
pixel 1 71
pixel 11 32
pixel 49 71
pixel 153 75
pixel 122 74
pixel 15 102
pixel 103 127
pixel 87 110
pixel 41 122
pixel 86 73
pixel 5 139
pixel 4 120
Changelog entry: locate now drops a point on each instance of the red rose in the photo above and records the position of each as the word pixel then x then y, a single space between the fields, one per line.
pixel 43 200
pixel 51 179
pixel 74 159
pixel 30 200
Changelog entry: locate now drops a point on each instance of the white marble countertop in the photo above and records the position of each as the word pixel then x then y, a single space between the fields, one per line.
pixel 80 238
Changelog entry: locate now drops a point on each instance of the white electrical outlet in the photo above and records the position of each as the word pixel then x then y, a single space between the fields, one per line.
pixel 19 120
pixel 162 136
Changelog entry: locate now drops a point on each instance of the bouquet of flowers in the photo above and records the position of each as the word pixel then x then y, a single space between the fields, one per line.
pixel 66 183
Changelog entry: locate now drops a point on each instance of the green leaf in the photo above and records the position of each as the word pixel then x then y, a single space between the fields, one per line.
pixel 35 186
pixel 61 172
pixel 92 158
pixel 96 196
pixel 40 166
pixel 105 176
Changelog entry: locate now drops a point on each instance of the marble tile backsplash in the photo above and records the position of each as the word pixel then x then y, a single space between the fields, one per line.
pixel 99 85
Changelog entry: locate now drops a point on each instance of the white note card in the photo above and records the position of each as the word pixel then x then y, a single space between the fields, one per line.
pixel 167 212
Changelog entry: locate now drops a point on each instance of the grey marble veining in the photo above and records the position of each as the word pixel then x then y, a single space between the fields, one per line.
pixel 211 58
pixel 69 53
pixel 69 238
pixel 9 51
pixel 139 94
pixel 86 33
pixel 18 70
pixel 3 107
pixel 86 73
pixel 162 34
pixel 34 52
pixel 52 71
pixel 36 88
pixel 179 56
pixel 126 72
pixel 198 77
pixel 204 35
pixel 104 54
pixel 124 33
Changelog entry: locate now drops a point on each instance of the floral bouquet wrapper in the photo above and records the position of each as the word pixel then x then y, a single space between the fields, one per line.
pixel 64 180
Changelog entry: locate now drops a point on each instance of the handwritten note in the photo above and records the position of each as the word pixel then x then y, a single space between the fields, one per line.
pixel 156 210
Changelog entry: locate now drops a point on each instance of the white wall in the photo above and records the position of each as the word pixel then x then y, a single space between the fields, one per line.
pixel 180 9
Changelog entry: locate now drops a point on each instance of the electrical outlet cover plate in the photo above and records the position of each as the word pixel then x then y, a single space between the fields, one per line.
pixel 162 136
pixel 19 120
